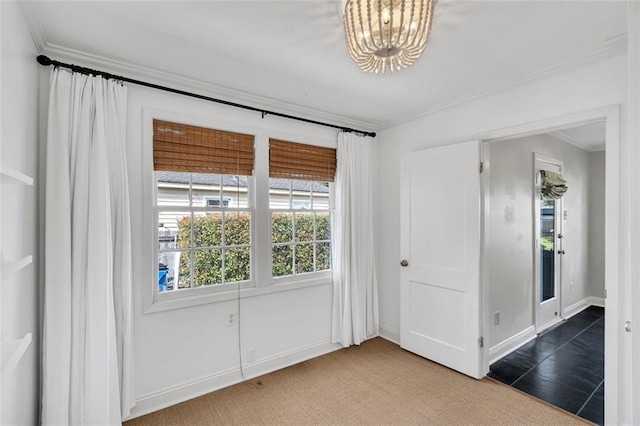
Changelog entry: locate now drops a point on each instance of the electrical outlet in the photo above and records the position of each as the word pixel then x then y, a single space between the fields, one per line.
pixel 251 355
pixel 231 319
pixel 496 318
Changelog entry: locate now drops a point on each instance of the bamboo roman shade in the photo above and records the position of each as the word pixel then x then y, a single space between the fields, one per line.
pixel 193 149
pixel 553 185
pixel 290 160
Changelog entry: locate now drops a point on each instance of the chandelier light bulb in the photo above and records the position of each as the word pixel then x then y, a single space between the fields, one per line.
pixel 387 35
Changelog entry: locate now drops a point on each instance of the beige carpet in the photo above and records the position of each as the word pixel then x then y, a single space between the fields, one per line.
pixel 375 383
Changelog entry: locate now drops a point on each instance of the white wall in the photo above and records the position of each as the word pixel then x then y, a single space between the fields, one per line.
pixel 20 394
pixel 185 352
pixel 596 223
pixel 510 233
pixel 592 86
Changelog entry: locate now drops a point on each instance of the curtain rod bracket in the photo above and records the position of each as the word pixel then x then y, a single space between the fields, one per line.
pixel 46 61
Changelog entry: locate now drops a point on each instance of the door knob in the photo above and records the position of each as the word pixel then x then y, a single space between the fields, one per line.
pixel 627 326
pixel 404 263
pixel 560 251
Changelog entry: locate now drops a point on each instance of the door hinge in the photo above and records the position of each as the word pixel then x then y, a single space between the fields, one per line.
pixel 481 342
pixel 481 167
pixel 605 293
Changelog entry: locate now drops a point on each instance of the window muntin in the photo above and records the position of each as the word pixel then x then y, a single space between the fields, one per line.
pixel 201 245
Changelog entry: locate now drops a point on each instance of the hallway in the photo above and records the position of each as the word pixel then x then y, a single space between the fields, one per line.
pixel 563 366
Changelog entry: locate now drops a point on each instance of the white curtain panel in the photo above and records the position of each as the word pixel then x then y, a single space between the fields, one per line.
pixel 87 341
pixel 355 288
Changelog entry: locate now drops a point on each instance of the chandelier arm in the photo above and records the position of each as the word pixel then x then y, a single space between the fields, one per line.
pixel 401 26
pixel 419 28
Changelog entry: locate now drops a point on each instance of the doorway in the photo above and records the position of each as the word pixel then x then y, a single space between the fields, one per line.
pixel 532 264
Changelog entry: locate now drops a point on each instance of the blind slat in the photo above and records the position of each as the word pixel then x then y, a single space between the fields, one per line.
pixel 291 160
pixel 193 149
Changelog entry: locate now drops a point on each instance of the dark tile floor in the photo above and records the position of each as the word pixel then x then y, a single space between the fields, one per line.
pixel 563 366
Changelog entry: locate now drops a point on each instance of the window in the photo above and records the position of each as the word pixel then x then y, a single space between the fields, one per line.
pixel 299 200
pixel 215 232
pixel 201 241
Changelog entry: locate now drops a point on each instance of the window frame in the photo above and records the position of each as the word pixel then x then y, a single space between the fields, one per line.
pixel 262 282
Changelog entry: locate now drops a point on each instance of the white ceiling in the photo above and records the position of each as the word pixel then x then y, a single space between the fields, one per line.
pixel 294 52
pixel 590 137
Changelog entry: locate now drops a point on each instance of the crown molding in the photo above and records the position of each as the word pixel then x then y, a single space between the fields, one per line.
pixel 577 143
pixel 34 24
pixel 612 47
pixel 63 54
pixel 137 72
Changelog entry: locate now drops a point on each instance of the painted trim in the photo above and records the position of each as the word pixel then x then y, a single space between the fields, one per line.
pixel 511 344
pixel 167 397
pixel 618 48
pixel 390 334
pixel 596 301
pixel 581 305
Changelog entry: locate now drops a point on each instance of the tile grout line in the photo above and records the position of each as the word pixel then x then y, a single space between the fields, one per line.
pixel 590 396
pixel 551 354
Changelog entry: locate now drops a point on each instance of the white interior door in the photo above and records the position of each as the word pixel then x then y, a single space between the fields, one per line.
pixel 440 242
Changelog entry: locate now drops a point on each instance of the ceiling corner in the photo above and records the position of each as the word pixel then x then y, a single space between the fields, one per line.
pixel 34 24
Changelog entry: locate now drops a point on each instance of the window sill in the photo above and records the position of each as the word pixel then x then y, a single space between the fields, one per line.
pixel 232 294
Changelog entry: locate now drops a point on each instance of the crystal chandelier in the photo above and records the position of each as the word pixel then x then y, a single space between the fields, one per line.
pixel 387 34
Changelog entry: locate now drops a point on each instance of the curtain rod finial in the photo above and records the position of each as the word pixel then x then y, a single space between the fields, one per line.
pixel 44 60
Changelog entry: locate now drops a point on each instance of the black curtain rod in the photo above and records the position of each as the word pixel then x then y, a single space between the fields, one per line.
pixel 46 61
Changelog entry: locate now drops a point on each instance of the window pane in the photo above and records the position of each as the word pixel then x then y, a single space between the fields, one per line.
pixel 279 191
pixel 205 189
pixel 323 256
pixel 207 267
pixel 301 194
pixel 167 238
pixel 304 226
pixel 235 190
pixel 208 192
pixel 320 202
pixel 321 195
pixel 237 264
pixel 281 227
pixel 323 226
pixel 174 230
pixel 237 228
pixel 207 230
pixel 168 264
pixel 184 271
pixel 173 189
pixel 282 263
pixel 304 258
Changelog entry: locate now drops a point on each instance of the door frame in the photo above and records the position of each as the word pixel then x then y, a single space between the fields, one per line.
pixel 611 116
pixel 558 219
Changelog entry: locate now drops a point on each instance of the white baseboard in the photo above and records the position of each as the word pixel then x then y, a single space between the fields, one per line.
pixel 390 334
pixel 596 301
pixel 511 344
pixel 167 397
pixel 581 305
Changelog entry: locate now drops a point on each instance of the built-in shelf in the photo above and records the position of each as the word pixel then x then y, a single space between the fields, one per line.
pixel 13 351
pixel 8 175
pixel 11 267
